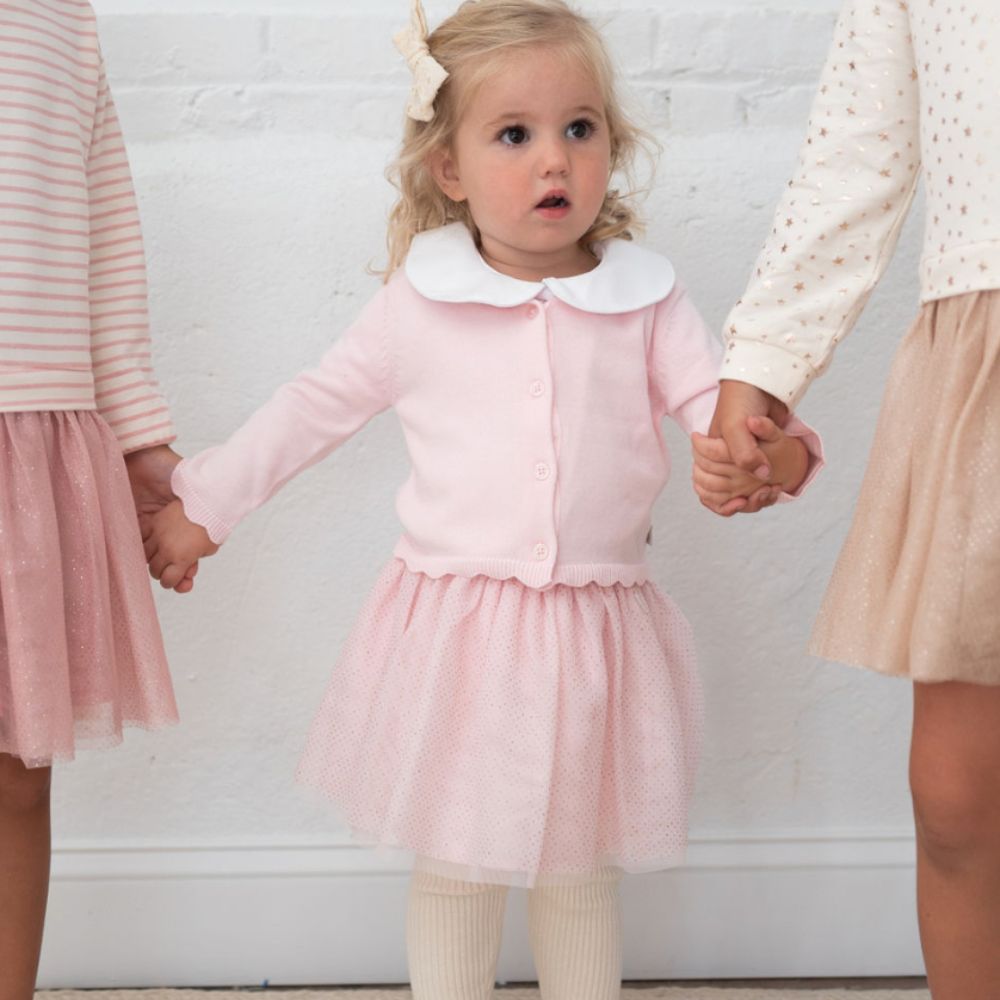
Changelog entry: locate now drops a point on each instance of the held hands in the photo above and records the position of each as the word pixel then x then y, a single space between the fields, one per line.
pixel 724 487
pixel 738 404
pixel 173 545
pixel 149 471
pixel 738 401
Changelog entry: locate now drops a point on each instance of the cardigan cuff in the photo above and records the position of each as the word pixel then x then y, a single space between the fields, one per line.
pixel 814 445
pixel 195 508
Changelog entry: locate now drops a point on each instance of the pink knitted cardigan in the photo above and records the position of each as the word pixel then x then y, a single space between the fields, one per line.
pixel 532 413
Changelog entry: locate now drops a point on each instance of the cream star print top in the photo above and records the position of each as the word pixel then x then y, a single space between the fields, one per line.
pixel 911 88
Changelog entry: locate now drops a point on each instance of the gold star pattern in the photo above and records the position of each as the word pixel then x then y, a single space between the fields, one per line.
pixel 910 92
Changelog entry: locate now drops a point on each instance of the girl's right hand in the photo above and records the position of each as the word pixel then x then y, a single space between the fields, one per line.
pixel 173 544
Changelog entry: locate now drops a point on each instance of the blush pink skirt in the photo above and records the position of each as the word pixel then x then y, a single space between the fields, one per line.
pixel 916 591
pixel 80 649
pixel 513 735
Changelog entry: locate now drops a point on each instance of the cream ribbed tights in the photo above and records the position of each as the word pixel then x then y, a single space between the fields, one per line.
pixel 454 927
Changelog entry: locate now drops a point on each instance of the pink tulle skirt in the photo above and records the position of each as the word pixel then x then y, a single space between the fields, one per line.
pixel 80 649
pixel 507 734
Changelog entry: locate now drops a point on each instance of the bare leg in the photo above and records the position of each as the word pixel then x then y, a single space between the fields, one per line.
pixel 955 779
pixel 25 850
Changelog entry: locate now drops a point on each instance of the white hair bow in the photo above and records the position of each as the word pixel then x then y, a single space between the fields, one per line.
pixel 428 73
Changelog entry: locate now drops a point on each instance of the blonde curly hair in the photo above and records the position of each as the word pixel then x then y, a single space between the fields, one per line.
pixel 469 45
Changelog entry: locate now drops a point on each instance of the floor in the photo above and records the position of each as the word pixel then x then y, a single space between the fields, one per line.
pixel 907 989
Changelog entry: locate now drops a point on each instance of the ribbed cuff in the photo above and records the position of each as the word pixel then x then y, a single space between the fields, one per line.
pixel 196 509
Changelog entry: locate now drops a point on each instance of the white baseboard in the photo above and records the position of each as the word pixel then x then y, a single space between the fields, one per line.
pixel 319 913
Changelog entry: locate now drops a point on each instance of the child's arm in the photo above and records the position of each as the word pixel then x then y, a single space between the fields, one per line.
pixel 838 222
pixel 173 545
pixel 303 422
pixel 127 394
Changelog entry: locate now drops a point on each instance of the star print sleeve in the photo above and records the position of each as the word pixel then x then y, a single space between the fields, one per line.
pixel 302 423
pixel 683 366
pixel 838 222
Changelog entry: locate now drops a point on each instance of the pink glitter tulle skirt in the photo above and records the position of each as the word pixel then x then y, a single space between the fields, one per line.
pixel 80 649
pixel 513 735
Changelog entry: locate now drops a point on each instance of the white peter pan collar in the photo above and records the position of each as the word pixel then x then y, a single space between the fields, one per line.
pixel 444 265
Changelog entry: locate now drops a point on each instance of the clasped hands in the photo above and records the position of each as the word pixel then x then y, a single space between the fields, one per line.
pixel 747 461
pixel 173 544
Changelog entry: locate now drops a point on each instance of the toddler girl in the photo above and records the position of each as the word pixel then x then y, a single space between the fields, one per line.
pixel 518 704
pixel 80 648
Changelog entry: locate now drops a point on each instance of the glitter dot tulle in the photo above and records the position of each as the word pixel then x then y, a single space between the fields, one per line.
pixel 80 649
pixel 916 591
pixel 512 735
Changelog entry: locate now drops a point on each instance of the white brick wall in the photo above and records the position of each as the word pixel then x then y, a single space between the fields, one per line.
pixel 259 131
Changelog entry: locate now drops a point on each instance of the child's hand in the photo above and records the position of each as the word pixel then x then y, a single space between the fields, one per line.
pixel 787 455
pixel 726 489
pixel 723 486
pixel 174 545
pixel 149 472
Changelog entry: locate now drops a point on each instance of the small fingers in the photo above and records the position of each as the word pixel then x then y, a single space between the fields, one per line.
pixel 713 449
pixel 157 564
pixel 727 469
pixel 711 483
pixel 744 449
pixel 724 504
pixel 173 575
pixel 187 584
pixel 764 429
pixel 737 505
pixel 762 498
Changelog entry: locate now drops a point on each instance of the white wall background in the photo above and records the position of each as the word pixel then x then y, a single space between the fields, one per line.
pixel 259 130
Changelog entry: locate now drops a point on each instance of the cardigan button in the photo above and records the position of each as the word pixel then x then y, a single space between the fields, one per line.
pixel 537 388
pixel 541 471
pixel 541 551
pixel 533 311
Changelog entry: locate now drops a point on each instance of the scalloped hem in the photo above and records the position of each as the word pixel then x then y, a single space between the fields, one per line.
pixel 538 575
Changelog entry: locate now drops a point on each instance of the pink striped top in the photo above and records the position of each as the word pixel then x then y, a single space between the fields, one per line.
pixel 74 322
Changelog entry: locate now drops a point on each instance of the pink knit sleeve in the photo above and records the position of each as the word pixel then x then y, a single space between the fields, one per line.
pixel 684 357
pixel 302 423
pixel 684 362
pixel 127 394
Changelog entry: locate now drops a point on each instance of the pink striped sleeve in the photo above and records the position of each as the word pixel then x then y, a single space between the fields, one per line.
pixel 128 395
